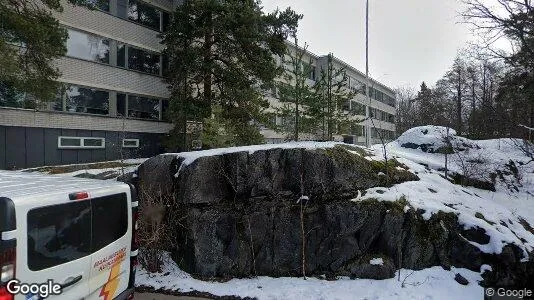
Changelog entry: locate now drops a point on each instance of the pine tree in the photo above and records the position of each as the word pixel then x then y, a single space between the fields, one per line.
pixel 425 106
pixel 30 39
pixel 295 94
pixel 330 109
pixel 220 53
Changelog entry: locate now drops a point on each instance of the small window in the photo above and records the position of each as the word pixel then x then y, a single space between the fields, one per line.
pixel 144 14
pixel 68 142
pixel 130 143
pixel 58 234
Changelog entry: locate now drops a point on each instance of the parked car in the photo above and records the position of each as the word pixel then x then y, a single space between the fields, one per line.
pixel 66 238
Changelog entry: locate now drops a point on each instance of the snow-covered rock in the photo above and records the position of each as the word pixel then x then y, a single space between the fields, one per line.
pixel 232 201
pixel 433 139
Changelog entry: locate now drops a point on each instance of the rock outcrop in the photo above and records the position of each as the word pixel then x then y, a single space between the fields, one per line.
pixel 242 214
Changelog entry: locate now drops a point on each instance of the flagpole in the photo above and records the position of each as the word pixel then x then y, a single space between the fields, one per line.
pixel 367 110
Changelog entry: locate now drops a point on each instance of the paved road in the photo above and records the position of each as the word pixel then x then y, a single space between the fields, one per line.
pixel 154 296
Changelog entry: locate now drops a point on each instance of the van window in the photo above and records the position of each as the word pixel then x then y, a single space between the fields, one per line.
pixel 62 233
pixel 110 220
pixel 58 234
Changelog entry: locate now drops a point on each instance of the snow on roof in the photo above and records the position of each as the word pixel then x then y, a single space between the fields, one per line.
pixel 15 184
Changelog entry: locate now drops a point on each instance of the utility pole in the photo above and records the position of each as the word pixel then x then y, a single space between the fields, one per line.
pixel 367 109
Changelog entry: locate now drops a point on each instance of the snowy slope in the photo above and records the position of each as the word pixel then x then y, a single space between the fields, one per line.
pixel 499 213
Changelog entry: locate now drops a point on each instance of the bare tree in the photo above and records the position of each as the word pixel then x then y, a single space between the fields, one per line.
pixel 494 20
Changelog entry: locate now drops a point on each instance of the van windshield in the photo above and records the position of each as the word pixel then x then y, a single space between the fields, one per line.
pixel 62 233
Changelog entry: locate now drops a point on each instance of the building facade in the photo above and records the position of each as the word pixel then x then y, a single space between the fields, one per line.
pixel 377 112
pixel 113 100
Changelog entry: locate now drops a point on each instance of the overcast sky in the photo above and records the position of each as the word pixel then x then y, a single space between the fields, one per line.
pixel 410 40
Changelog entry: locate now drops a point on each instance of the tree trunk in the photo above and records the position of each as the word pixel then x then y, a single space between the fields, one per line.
pixel 207 80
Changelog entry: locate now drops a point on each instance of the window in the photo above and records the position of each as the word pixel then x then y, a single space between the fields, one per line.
pixel 61 233
pixel 143 61
pixel 87 46
pixel 165 113
pixel 356 129
pixel 165 20
pixel 10 97
pixel 130 143
pixel 144 14
pixel 121 105
pixel 86 100
pixel 100 4
pixel 357 108
pixel 121 55
pixel 74 142
pixel 143 108
pixel 110 220
pixel 58 234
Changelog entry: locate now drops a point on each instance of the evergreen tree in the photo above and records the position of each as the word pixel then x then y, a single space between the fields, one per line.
pixel 30 38
pixel 425 106
pixel 331 110
pixel 220 52
pixel 295 94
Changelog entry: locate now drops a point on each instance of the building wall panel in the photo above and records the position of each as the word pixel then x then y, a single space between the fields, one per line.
pixel 51 152
pixel 51 119
pixel 93 74
pixel 15 147
pixel 108 25
pixel 35 152
pixel 2 147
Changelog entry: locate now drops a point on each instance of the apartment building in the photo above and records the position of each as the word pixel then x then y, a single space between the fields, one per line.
pixel 113 100
pixel 377 112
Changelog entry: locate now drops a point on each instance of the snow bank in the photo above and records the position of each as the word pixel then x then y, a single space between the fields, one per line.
pixel 189 157
pixel 432 283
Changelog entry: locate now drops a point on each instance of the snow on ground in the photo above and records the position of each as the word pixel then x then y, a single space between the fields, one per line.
pixel 431 283
pixel 499 213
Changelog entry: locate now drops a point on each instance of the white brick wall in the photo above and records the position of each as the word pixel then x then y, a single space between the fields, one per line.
pixel 81 72
pixel 50 119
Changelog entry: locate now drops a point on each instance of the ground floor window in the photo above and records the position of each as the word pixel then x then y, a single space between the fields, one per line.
pixel 130 143
pixel 75 142
pixel 73 98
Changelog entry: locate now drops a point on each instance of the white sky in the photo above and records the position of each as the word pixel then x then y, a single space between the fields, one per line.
pixel 410 40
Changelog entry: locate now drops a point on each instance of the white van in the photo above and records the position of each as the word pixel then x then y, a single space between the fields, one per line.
pixel 75 236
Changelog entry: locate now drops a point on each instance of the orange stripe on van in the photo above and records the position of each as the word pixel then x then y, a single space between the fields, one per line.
pixel 111 286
